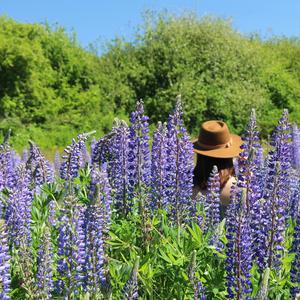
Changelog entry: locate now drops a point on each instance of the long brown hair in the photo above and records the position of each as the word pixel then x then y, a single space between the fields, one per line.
pixel 205 165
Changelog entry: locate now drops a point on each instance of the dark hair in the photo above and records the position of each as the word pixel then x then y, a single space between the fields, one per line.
pixel 205 165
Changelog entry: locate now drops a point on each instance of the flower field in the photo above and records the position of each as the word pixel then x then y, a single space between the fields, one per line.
pixel 118 221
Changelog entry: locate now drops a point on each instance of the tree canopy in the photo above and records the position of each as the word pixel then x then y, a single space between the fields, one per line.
pixel 51 88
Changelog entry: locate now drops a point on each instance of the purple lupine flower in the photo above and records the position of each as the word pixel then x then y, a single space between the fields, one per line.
pixel 86 157
pixel 130 290
pixel 69 168
pixel 200 292
pixel 158 167
pixel 70 248
pixel 7 171
pixel 198 288
pixel 295 269
pixel 139 155
pixel 5 278
pixel 296 147
pixel 212 203
pixel 95 269
pixel 277 194
pixel 93 145
pixel 101 151
pixel 251 176
pixel 44 276
pixel 97 221
pixel 40 169
pixel 179 167
pixel 238 234
pixel 248 161
pixel 18 211
pixel 118 166
pixel 294 201
pixel 80 250
pixel 52 213
pixel 101 194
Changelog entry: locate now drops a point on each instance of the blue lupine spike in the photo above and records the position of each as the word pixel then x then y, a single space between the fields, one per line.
pixel 179 167
pixel 44 276
pixel 118 166
pixel 4 263
pixel 139 154
pixel 18 211
pixel 40 169
pixel 238 248
pixel 295 269
pixel 73 158
pixel 158 167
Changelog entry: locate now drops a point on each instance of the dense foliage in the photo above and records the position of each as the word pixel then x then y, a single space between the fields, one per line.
pixel 119 221
pixel 49 84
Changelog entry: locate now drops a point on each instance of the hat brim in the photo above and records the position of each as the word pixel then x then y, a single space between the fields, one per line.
pixel 233 151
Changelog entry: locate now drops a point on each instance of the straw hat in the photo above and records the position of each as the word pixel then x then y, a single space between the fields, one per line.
pixel 215 140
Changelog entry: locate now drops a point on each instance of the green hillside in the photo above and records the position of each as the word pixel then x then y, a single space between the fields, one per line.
pixel 51 88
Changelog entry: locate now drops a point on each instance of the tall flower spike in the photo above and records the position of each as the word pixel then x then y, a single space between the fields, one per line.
pixel 100 150
pixel 213 200
pixel 95 248
pixel 296 147
pixel 44 274
pixel 238 253
pixel 4 263
pixel 139 154
pixel 18 211
pixel 71 257
pixel 7 171
pixel 294 202
pixel 179 167
pixel 130 290
pixel 101 194
pixel 158 166
pixel 73 158
pixel 248 161
pixel 251 178
pixel 277 193
pixel 295 270
pixel 118 166
pixel 40 169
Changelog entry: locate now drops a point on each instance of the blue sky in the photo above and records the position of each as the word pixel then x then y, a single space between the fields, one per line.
pixel 96 21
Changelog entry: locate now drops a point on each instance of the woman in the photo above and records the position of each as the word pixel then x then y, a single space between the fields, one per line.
pixel 215 146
